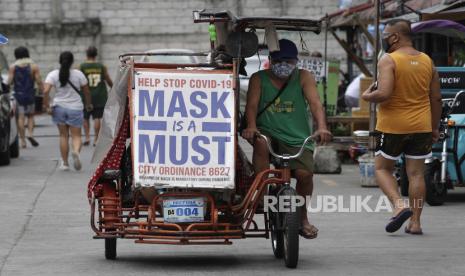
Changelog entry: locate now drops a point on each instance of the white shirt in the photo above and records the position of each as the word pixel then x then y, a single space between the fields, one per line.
pixel 66 96
pixel 353 90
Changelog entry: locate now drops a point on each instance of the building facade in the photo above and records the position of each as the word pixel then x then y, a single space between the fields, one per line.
pixel 48 27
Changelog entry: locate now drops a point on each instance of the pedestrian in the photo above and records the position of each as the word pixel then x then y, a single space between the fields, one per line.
pixel 67 107
pixel 409 111
pixel 277 102
pixel 98 78
pixel 23 74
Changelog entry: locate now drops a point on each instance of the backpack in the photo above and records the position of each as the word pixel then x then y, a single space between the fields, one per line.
pixel 24 85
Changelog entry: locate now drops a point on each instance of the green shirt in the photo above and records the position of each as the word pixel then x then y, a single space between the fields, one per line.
pixel 287 119
pixel 94 73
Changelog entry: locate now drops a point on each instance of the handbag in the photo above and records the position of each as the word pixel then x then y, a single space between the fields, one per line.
pixel 243 118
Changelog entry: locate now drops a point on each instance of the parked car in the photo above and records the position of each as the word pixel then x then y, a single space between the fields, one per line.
pixel 9 143
pixel 171 59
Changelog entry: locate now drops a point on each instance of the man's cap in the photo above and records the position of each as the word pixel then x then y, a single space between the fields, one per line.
pixel 3 39
pixel 287 50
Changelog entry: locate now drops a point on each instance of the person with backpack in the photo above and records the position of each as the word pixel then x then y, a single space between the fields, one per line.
pixel 98 78
pixel 23 74
pixel 67 107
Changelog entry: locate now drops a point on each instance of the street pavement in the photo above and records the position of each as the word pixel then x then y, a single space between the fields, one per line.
pixel 45 231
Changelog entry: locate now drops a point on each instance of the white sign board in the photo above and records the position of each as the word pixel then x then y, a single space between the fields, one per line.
pixel 312 64
pixel 183 129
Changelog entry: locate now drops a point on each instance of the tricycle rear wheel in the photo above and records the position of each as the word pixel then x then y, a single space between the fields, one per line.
pixel 110 248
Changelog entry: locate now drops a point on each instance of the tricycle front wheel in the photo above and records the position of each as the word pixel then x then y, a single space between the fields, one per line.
pixel 274 224
pixel 291 229
pixel 436 191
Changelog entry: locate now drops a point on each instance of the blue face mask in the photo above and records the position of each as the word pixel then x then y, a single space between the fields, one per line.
pixel 282 69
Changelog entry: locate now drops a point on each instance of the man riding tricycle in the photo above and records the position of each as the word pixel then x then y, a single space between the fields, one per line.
pixel 171 170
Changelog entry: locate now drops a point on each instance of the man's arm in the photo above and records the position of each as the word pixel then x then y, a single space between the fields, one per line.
pixel 386 78
pixel 37 77
pixel 313 99
pixel 11 74
pixel 253 98
pixel 107 77
pixel 436 104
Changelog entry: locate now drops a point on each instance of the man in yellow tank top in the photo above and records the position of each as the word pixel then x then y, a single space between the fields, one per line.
pixel 409 111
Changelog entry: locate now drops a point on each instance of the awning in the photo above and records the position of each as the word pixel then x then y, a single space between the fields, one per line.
pixel 365 13
pixel 454 12
pixel 441 27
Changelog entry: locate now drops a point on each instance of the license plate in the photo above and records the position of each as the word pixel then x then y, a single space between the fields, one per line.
pixel 183 210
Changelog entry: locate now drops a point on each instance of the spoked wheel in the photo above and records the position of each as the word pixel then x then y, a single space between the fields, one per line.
pixel 436 191
pixel 110 248
pixel 277 242
pixel 291 227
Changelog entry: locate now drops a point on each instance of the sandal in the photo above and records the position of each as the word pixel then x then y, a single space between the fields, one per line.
pixel 396 222
pixel 86 143
pixel 310 232
pixel 408 231
pixel 33 141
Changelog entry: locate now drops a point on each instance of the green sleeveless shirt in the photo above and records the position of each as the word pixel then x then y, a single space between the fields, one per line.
pixel 288 119
pixel 96 78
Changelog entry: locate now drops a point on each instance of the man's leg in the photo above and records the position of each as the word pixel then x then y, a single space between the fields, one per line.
pixel 86 127
pixel 388 183
pixel 260 158
pixel 415 172
pixel 97 123
pixel 22 132
pixel 304 188
pixel 30 125
pixel 30 129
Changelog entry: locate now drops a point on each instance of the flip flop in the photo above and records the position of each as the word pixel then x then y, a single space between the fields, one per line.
pixel 413 232
pixel 396 222
pixel 33 141
pixel 312 234
pixel 86 143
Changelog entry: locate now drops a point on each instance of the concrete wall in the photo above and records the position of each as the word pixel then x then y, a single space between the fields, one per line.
pixel 48 27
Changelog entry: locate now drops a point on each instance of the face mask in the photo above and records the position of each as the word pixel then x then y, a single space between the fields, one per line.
pixel 282 70
pixel 385 45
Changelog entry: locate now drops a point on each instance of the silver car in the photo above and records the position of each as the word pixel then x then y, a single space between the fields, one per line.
pixel 9 145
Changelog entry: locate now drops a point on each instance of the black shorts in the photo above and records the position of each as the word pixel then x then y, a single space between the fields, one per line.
pixel 97 113
pixel 413 145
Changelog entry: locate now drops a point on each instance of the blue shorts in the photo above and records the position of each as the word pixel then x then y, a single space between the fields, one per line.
pixel 65 116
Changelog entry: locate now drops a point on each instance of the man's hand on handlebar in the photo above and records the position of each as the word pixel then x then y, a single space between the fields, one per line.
pixel 249 133
pixel 324 136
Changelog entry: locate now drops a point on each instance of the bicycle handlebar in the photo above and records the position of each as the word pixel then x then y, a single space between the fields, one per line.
pixel 289 157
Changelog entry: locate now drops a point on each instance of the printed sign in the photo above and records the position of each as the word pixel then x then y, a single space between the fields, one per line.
pixel 312 64
pixel 183 129
pixel 316 66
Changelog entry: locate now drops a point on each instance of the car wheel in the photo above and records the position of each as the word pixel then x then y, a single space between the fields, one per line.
pixel 5 157
pixel 14 149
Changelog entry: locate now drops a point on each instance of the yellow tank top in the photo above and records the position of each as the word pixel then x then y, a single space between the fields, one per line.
pixel 408 110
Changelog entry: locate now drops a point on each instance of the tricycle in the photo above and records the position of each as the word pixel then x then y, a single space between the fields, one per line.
pixel 171 170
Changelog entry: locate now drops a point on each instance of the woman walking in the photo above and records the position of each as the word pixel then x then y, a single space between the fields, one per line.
pixel 67 107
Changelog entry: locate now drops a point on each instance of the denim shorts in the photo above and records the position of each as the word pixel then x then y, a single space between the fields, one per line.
pixel 65 116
